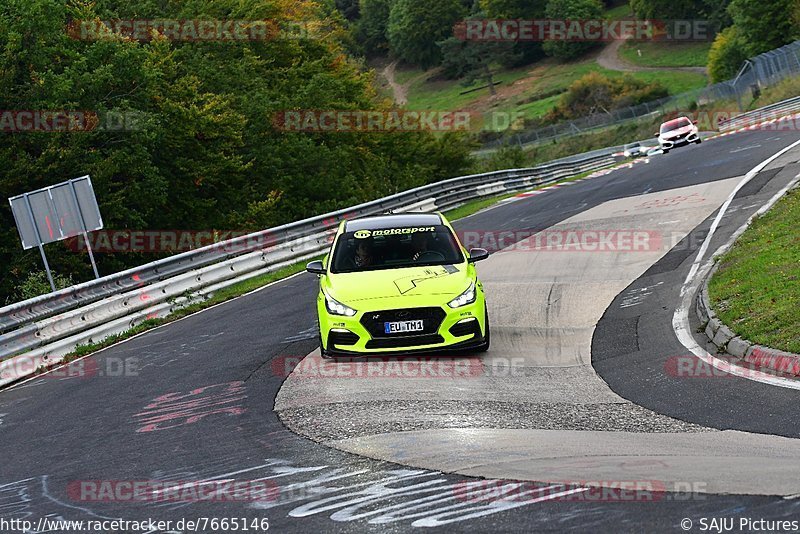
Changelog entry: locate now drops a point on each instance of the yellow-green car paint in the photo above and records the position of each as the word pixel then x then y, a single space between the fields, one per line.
pixel 373 294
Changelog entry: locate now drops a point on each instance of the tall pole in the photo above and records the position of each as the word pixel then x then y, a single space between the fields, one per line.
pixel 83 228
pixel 39 242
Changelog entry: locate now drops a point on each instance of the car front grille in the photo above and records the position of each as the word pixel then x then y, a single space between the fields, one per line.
pixel 431 321
pixel 466 328
pixel 337 337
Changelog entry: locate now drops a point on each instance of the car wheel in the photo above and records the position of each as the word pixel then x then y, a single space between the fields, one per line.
pixel 483 347
pixel 666 151
pixel 698 141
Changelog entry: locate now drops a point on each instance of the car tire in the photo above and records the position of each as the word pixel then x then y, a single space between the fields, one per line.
pixel 698 141
pixel 666 151
pixel 484 346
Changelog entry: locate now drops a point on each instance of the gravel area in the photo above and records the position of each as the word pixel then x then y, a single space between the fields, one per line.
pixel 328 422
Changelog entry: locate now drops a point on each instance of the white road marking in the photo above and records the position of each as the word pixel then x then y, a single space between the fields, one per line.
pixel 749 176
pixel 680 320
pixel 744 148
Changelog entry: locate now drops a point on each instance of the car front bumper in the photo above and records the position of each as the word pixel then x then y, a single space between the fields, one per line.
pixel 673 142
pixel 445 329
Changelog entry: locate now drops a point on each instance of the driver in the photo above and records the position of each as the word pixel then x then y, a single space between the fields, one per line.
pixel 363 254
pixel 419 244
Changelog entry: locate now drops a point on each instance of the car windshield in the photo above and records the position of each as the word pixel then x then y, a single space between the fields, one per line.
pixel 394 248
pixel 674 125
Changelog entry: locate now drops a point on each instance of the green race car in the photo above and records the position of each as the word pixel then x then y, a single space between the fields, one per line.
pixel 400 283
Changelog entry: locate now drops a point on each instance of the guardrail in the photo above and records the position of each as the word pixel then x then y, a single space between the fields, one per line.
pixel 40 331
pixel 773 111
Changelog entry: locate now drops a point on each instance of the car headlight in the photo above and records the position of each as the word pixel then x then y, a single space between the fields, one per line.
pixel 337 308
pixel 467 297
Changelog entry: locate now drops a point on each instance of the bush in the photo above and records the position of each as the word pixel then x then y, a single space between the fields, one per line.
pixel 36 284
pixel 726 55
pixel 506 157
pixel 595 93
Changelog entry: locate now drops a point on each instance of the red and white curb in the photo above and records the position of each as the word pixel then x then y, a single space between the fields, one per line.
pixel 787 123
pixel 726 341
pixel 696 280
pixel 595 174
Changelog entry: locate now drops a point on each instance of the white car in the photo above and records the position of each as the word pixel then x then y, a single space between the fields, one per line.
pixel 677 132
pixel 632 150
pixel 654 151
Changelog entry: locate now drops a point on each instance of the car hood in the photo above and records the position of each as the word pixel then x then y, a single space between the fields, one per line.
pixel 448 280
pixel 675 133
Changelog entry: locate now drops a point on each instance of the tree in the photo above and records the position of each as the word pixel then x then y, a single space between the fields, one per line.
pixel 667 9
pixel 571 10
pixel 513 9
pixel 727 55
pixel 525 52
pixel 206 154
pixel 348 8
pixel 471 61
pixel 371 27
pixel 415 26
pixel 761 25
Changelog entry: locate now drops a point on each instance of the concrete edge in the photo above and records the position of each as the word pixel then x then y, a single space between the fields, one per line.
pixel 729 343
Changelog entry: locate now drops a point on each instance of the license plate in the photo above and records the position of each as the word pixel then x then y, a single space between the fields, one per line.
pixel 403 326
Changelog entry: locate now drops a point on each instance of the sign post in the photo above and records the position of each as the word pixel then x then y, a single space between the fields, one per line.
pixel 83 228
pixel 39 241
pixel 57 212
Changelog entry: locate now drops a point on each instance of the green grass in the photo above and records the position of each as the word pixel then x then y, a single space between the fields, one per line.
pixel 789 88
pixel 404 74
pixel 545 78
pixel 676 81
pixel 622 11
pixel 666 54
pixel 443 95
pixel 756 291
pixel 474 206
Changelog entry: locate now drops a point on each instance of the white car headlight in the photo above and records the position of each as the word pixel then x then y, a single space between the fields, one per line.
pixel 467 297
pixel 337 308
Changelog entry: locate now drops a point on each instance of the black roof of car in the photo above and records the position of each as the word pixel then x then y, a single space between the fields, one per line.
pixel 396 220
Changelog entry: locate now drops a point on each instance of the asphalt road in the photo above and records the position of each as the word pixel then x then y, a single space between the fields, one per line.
pixel 192 403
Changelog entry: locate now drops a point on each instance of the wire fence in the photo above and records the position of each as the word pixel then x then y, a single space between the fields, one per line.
pixel 756 73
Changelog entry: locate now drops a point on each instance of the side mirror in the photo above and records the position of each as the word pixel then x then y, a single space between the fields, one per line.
pixel 478 254
pixel 655 134
pixel 694 122
pixel 316 267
